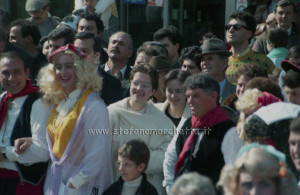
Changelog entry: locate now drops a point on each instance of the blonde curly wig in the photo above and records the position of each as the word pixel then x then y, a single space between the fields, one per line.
pixel 86 73
pixel 246 105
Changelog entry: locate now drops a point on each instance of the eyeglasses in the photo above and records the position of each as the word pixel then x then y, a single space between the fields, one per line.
pixel 143 85
pixel 235 26
pixel 124 165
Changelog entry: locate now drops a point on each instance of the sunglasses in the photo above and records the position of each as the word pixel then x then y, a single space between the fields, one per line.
pixel 235 26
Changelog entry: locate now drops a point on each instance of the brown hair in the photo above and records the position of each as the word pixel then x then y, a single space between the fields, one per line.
pixel 136 151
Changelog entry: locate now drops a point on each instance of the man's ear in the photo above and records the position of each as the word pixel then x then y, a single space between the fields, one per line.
pixel 249 34
pixel 214 95
pixel 47 8
pixel 141 167
pixel 130 53
pixel 27 72
pixel 225 64
pixel 99 33
pixel 177 46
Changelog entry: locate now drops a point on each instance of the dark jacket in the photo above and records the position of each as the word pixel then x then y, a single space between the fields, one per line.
pixel 209 159
pixel 125 81
pixel 260 44
pixel 22 128
pixel 145 188
pixel 111 88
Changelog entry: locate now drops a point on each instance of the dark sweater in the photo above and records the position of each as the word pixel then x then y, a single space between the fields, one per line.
pixel 144 189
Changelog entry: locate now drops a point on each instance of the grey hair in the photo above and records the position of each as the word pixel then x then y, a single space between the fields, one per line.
pixel 193 184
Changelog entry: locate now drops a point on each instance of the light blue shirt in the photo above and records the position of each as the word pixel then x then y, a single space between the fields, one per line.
pixel 222 85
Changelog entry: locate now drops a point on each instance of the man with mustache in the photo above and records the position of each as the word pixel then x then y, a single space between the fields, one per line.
pixel 39 12
pixel 119 50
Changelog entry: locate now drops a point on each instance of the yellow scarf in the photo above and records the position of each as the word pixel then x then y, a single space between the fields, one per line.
pixel 61 128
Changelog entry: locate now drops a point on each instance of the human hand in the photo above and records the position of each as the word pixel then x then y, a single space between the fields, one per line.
pixel 22 144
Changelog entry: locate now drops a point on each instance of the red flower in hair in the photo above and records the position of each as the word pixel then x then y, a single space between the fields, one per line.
pixel 267 99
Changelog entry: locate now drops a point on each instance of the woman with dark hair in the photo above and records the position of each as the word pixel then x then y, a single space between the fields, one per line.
pixel 175 107
pixel 188 60
pixel 136 117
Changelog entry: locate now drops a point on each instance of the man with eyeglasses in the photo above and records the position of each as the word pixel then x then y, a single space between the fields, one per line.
pixel 284 15
pixel 39 12
pixel 239 32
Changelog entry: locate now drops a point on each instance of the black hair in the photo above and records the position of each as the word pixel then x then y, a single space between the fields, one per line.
pixel 14 55
pixel 291 79
pixel 247 18
pixel 172 33
pixel 190 53
pixel 278 37
pixel 62 32
pixel 89 35
pixel 92 16
pixel 28 28
pixel 203 81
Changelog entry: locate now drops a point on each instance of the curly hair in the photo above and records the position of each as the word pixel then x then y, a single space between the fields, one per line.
pixel 250 70
pixel 265 84
pixel 87 79
pixel 246 105
pixel 257 162
pixel 189 53
pixel 248 18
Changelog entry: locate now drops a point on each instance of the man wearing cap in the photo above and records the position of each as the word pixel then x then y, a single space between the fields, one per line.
pixel 162 65
pixel 39 12
pixel 284 15
pixel 214 61
pixel 21 115
pixel 239 32
pixel 291 81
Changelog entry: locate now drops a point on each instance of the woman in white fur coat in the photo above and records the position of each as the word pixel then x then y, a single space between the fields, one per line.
pixel 136 117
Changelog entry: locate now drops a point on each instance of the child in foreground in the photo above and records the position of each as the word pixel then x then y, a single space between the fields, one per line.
pixel 133 158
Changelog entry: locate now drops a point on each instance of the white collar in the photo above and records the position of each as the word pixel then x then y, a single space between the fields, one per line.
pixel 106 68
pixel 65 106
pixel 135 182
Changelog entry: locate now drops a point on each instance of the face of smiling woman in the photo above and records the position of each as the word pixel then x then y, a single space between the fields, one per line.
pixel 65 72
pixel 140 90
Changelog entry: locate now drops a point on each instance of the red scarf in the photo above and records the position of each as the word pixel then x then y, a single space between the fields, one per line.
pixel 213 117
pixel 10 97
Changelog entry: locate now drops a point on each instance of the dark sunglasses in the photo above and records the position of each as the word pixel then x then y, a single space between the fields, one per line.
pixel 235 26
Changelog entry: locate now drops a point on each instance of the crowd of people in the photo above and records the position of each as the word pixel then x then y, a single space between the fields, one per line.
pixel 77 118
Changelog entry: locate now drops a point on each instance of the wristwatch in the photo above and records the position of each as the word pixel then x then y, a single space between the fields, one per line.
pixel 3 151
